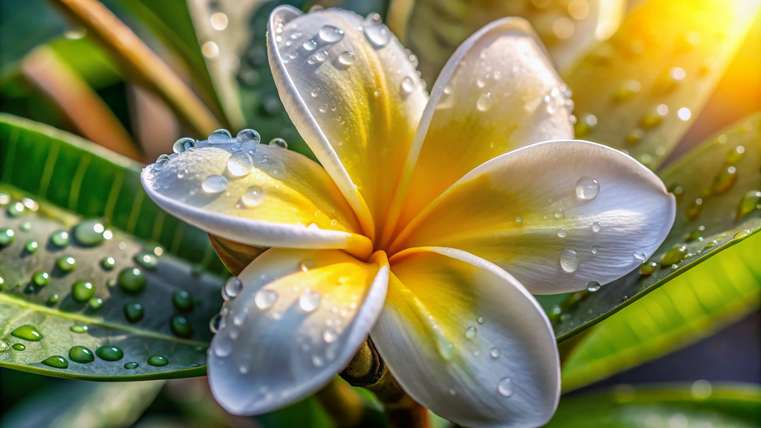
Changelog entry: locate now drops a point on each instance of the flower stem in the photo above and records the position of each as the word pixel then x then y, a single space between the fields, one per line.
pixel 368 370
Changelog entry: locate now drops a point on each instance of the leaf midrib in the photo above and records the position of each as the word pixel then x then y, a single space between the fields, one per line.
pixel 4 297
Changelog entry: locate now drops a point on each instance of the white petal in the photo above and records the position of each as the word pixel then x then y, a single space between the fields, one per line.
pixel 297 322
pixel 523 212
pixel 271 198
pixel 354 96
pixel 498 91
pixel 466 340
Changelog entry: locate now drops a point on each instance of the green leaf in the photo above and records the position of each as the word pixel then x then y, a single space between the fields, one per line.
pixel 699 404
pixel 61 295
pixel 641 90
pixel 83 404
pixel 258 95
pixel 23 26
pixel 171 22
pixel 717 281
pixel 434 28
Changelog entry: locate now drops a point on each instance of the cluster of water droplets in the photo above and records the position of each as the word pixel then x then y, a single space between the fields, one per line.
pixel 322 322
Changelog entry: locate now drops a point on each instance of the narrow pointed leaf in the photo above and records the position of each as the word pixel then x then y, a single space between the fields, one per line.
pixel 705 275
pixel 58 295
pixel 105 405
pixel 696 404
pixel 641 90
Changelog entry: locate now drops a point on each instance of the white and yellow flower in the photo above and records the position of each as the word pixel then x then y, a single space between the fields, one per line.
pixel 428 224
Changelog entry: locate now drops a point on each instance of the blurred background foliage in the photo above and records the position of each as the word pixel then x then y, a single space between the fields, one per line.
pixel 186 67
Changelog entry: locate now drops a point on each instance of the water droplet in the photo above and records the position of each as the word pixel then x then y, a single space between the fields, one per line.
pixel 376 33
pixel 15 209
pixel 131 365
pixel 214 323
pixel 695 208
pixel 317 361
pixel 494 353
pixel 484 102
pixel 182 300
pixel 654 117
pixel 66 263
pixel 31 246
pixel 107 263
pixel 181 326
pixel 750 202
pixel 639 256
pixel 248 136
pixel 562 233
pixel 569 261
pixel 628 89
pixel 232 288
pixel 214 184
pixel 309 45
pixel 239 164
pixel 4 347
pixel 505 387
pixel 79 328
pixel 329 335
pixel 158 360
pixel 587 188
pixel 56 361
pixel 133 312
pixel 309 300
pixel 109 353
pixel 330 34
pixel 471 332
pixel 345 59
pixel 265 298
pixel 18 346
pixel 95 303
pixel 648 268
pixel 218 21
pixel 60 238
pixel 81 354
pixel 407 86
pixel 593 286
pixel 183 144
pixel 252 197
pixel 674 255
pixel 131 280
pixel 684 114
pixel 7 236
pixel 41 279
pixel 725 179
pixel 480 320
pixel 53 299
pixel 27 332
pixel 278 142
pixel 89 233
pixel 146 260
pixel 82 291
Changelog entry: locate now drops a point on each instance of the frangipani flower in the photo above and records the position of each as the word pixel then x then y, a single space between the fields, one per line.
pixel 428 224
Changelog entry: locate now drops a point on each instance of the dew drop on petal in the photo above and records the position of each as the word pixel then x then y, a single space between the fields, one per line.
pixel 505 387
pixel 569 261
pixel 330 34
pixel 252 197
pixel 407 86
pixel 376 33
pixel 232 288
pixel 214 184
pixel 485 101
pixel 309 300
pixel 494 353
pixel 471 332
pixel 239 164
pixel 278 142
pixel 219 136
pixel 265 298
pixel 596 227
pixel 248 136
pixel 593 286
pixel 345 59
pixel 587 188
